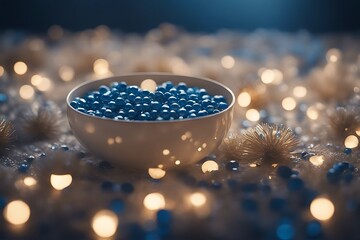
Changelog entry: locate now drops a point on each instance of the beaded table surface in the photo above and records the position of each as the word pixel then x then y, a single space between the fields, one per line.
pixel 287 170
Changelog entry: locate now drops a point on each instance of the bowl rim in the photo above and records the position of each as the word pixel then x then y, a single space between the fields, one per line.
pixel 150 122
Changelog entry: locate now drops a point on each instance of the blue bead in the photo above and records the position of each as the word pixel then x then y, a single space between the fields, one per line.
pixel 3 98
pixel 106 97
pixel 128 107
pixel 23 168
pixel 284 172
pixel 277 204
pixel 168 85
pixel 103 89
pixel 146 107
pixel 74 104
pixel 219 98
pixel 138 107
pixel 119 117
pixel 222 105
pixel 165 107
pixel 122 86
pixel 81 109
pixel 183 112
pixel 120 102
pixel 232 165
pixel 182 102
pixel 117 206
pixel 107 186
pixel 210 108
pixel 183 95
pixel 165 114
pixel 114 85
pixel 64 147
pixel 155 105
pixel 131 97
pixel 190 90
pixel 131 113
pixel 133 89
pixel 96 105
pixel 182 86
pixel 304 155
pixel 173 91
pixel 172 99
pixel 109 114
pixel 295 184
pixel 249 205
pixel 127 188
pixel 193 97
pixel 112 105
pixel 160 89
pixel 188 107
pixel 202 113
pixel 138 100
pixel 163 216
pixel 192 115
pixel 146 100
pixel 145 93
pixel 174 106
pixel 285 231
pixel 206 97
pixel 30 159
pixel 196 107
pixel 216 111
pixel 174 114
pixel 313 229
pixel 167 95
pixel 202 92
pixel 347 151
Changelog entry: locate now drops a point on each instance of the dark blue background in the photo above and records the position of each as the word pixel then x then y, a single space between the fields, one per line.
pixel 193 15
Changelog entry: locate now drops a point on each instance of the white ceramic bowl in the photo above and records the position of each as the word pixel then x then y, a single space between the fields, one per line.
pixel 148 144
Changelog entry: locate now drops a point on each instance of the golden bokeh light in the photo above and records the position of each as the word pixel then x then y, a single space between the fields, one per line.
pixel 228 62
pixel 59 182
pixel 333 55
pixel 17 212
pixel 20 68
pixel 267 76
pixel 209 166
pixel 312 113
pixel 252 115
pixel 358 132
pixel 105 223
pixel 36 80
pixel 148 84
pixel 198 199
pixel 351 141
pixel 322 209
pixel 278 76
pixel 166 152
pixel 299 91
pixel 30 181
pixel 288 103
pixel 2 71
pixel 101 67
pixel 66 73
pixel 44 85
pixel 26 92
pixel 156 173
pixel 177 162
pixel 154 201
pixel 317 160
pixel 244 99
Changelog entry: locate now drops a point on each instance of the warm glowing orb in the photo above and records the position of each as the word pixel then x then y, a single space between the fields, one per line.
pixel 154 201
pixel 198 199
pixel 59 182
pixel 209 166
pixel 317 160
pixel 20 68
pixel 105 223
pixel 322 209
pixel 156 173
pixel 244 99
pixel 351 141
pixel 17 212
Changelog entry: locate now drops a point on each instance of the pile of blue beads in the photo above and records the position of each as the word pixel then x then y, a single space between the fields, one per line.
pixel 341 171
pixel 169 102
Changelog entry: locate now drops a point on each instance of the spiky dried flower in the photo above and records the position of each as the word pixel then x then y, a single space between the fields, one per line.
pixel 262 144
pixel 42 125
pixel 6 134
pixel 345 121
